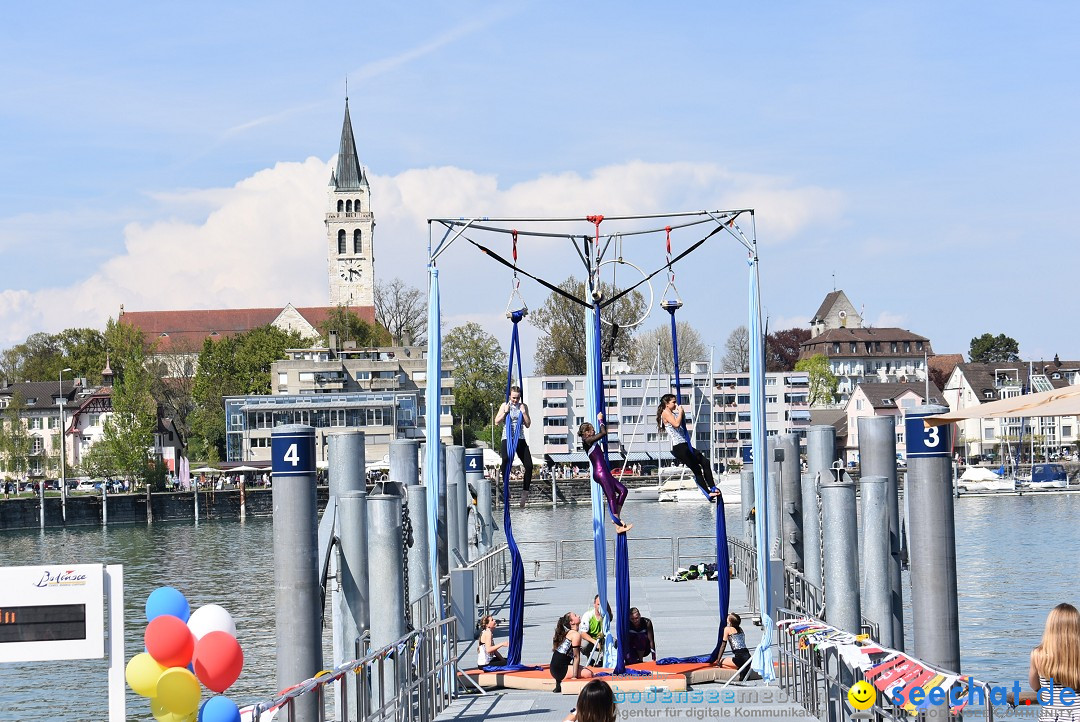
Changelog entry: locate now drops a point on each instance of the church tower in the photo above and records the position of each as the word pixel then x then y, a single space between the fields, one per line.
pixel 350 252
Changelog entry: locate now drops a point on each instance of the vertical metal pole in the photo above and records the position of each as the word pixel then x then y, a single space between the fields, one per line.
pixel 345 474
pixel 114 596
pixel 483 507
pixel 746 482
pixel 356 609
pixel 877 457
pixel 791 486
pixel 63 452
pixel 775 496
pixel 419 553
pixel 474 474
pixel 840 532
pixel 933 541
pixel 455 485
pixel 386 584
pixel 877 587
pixel 297 591
pixel 404 461
pixel 820 455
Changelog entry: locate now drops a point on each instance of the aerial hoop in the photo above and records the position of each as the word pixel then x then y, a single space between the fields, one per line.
pixel 645 279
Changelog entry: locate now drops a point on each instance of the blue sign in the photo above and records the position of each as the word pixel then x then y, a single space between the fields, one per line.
pixel 926 442
pixel 474 463
pixel 293 453
pixel 748 454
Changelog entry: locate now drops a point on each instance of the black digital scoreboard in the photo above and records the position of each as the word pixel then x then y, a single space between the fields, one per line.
pixel 42 623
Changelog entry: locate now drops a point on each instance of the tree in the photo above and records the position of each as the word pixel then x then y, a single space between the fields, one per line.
pixel 691 348
pixel 822 382
pixel 42 356
pixel 402 310
pixel 782 348
pixel 127 439
pixel 173 382
pixel 479 375
pixel 231 367
pixel 736 352
pixel 987 349
pixel 561 348
pixel 351 327
pixel 16 443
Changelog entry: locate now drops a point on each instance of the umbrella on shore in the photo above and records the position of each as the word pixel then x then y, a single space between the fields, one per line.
pixel 206 470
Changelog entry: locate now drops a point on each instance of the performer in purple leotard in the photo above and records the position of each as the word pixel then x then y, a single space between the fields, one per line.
pixel 614 490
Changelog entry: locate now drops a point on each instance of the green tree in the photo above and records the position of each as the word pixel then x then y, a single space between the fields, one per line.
pixel 561 348
pixel 987 349
pixel 231 367
pixel 822 382
pixel 479 375
pixel 15 440
pixel 43 355
pixel 351 327
pixel 128 433
pixel 691 349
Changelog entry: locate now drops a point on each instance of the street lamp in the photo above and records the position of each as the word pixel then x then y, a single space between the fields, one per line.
pixel 63 452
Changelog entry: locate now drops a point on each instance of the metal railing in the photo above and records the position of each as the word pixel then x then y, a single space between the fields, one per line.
pixel 819 681
pixel 412 679
pixel 490 572
pixel 572 558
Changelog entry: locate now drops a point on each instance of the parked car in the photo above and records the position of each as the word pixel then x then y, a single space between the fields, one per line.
pixel 52 485
pixel 86 486
pixel 620 471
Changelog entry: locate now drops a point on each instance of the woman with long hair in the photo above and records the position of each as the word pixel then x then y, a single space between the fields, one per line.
pixel 595 703
pixel 1055 665
pixel 566 651
pixel 487 652
pixel 669 420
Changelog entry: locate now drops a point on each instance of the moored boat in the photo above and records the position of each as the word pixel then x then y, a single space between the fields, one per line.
pixel 977 478
pixel 1048 476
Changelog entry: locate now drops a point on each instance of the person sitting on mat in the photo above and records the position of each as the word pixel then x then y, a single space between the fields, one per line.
pixel 566 651
pixel 520 420
pixel 614 490
pixel 487 652
pixel 669 419
pixel 641 642
pixel 736 641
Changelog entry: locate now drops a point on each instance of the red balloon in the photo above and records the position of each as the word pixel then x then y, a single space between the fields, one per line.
pixel 218 660
pixel 169 641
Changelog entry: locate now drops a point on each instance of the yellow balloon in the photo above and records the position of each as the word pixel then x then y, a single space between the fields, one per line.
pixel 142 674
pixel 163 715
pixel 178 691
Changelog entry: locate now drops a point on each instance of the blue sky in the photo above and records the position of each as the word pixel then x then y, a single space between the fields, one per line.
pixel 176 155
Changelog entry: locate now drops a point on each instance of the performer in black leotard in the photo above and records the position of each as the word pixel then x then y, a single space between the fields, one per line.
pixel 566 651
pixel 669 419
pixel 614 490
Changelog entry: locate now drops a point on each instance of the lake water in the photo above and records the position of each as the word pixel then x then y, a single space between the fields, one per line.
pixel 1009 578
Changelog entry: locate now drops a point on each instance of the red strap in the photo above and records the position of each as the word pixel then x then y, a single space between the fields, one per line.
pixel 513 233
pixel 668 229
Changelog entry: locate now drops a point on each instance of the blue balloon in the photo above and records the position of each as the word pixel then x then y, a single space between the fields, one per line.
pixel 166 600
pixel 219 709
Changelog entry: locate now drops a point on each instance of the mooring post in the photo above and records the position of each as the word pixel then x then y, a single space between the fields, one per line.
pixel 877 457
pixel 791 488
pixel 405 461
pixel 455 483
pixel 487 523
pixel 474 474
pixel 932 537
pixel 877 587
pixel 386 583
pixel 746 482
pixel 297 592
pixel 841 535
pixel 356 607
pixel 820 455
pixel 442 538
pixel 419 553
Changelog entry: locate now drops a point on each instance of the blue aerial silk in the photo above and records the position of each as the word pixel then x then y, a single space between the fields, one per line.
pixel 433 398
pixel 762 658
pixel 517 569
pixel 723 563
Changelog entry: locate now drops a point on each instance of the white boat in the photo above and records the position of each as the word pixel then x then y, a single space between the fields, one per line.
pixel 677 484
pixel 978 478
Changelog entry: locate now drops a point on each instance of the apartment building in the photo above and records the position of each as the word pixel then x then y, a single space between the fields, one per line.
pixel 717 406
pixel 380 391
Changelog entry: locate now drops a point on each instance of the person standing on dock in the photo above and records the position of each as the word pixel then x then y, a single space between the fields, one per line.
pixel 518 411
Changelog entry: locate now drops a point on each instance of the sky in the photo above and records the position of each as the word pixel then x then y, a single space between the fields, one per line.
pixel 920 156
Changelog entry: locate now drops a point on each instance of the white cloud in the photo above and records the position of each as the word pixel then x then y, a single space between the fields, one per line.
pixel 262 242
pixel 887 319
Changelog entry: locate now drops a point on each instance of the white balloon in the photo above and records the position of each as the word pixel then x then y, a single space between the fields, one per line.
pixel 211 618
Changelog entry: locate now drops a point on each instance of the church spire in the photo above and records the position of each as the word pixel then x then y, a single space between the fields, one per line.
pixel 349 175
